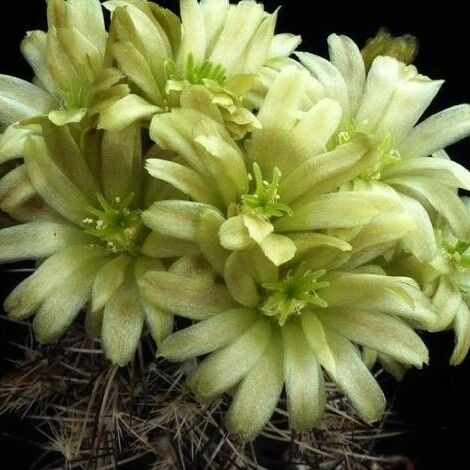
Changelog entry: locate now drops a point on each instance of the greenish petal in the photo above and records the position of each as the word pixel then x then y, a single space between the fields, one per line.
pixel 192 298
pixel 207 336
pixel 257 395
pixel 123 320
pixel 217 374
pixel 304 379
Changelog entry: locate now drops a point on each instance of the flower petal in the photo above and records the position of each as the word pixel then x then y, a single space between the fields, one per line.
pixel 162 246
pixel 37 240
pixel 208 335
pixel 191 298
pixel 347 58
pixel 304 380
pixel 108 279
pixel 21 100
pixel 26 298
pixel 126 112
pixel 258 394
pixel 51 183
pixel 378 331
pixel 64 303
pixel 217 374
pixel 179 219
pixel 437 132
pixel 240 284
pixel 123 320
pixel 183 178
pixel 462 335
pixel 354 379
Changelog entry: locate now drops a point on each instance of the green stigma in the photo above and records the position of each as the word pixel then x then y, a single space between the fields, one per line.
pixel 403 48
pixel 387 154
pixel 292 294
pixel 118 226
pixel 459 253
pixel 196 73
pixel 264 201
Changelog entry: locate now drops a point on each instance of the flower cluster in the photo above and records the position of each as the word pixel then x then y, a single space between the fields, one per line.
pixel 293 208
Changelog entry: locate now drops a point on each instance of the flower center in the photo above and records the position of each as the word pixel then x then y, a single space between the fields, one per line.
pixel 118 226
pixel 264 201
pixel 196 73
pixel 387 154
pixel 293 293
pixel 458 252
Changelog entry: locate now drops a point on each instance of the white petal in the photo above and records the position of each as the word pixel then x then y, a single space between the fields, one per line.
pixel 183 178
pixel 330 77
pixel 381 83
pixel 462 335
pixel 37 240
pixel 257 396
pixel 226 367
pixel 378 331
pixel 21 100
pixel 208 335
pixel 64 303
pixel 347 58
pixel 179 219
pixel 336 210
pixel 304 380
pixel 53 186
pixel 26 298
pixel 354 379
pixel 161 246
pixel 437 132
pixel 108 279
pixel 240 284
pixel 121 163
pixel 125 112
pixel 191 298
pixel 123 320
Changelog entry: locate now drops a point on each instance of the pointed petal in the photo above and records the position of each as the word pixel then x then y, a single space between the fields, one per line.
pixel 304 380
pixel 64 303
pixel 26 298
pixel 347 58
pixel 354 379
pixel 208 335
pixel 192 298
pixel 37 240
pixel 462 335
pixel 182 178
pixel 240 284
pixel 225 368
pixel 179 219
pixel 21 100
pixel 378 331
pixel 258 394
pixel 125 112
pixel 123 320
pixel 437 132
pixel 108 279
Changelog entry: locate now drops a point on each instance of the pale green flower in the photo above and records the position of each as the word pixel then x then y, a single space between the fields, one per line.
pixel 386 104
pixel 446 280
pixel 81 214
pixel 73 80
pixel 266 193
pixel 303 320
pixel 217 45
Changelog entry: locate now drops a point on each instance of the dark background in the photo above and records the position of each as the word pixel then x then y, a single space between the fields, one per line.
pixel 433 404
